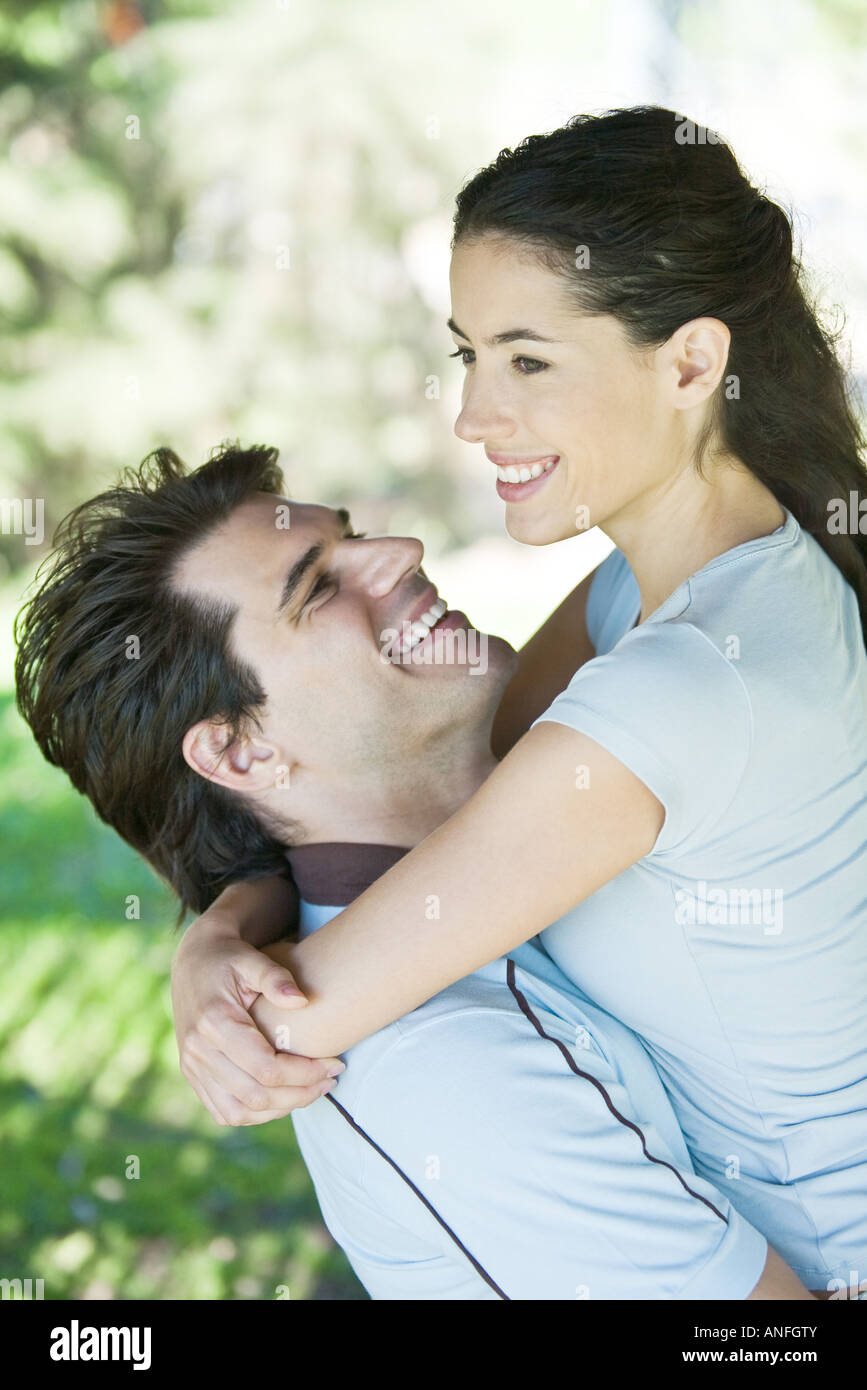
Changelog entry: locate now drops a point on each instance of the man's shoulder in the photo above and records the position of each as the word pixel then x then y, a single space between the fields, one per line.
pixel 485 994
pixel 405 1077
pixel 476 1034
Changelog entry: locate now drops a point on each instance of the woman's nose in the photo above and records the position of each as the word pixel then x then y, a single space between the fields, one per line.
pixel 483 418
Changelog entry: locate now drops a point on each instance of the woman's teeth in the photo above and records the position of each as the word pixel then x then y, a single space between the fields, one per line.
pixel 419 630
pixel 523 475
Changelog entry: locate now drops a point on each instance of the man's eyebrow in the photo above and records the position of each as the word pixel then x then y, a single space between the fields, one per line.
pixel 302 566
pixel 512 335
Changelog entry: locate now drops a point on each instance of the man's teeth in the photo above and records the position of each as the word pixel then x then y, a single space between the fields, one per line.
pixel 421 627
pixel 523 475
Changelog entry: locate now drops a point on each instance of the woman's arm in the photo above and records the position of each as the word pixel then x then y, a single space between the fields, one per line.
pixel 536 839
pixel 546 664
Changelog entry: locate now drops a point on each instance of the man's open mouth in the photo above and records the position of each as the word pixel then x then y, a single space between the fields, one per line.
pixel 415 632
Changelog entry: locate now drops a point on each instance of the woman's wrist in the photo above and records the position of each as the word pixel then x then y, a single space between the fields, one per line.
pixel 256 911
pixel 205 931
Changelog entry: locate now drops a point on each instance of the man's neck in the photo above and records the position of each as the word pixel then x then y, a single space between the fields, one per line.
pixel 410 803
pixel 333 869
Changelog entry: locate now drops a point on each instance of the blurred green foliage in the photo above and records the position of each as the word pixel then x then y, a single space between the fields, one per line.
pixel 194 245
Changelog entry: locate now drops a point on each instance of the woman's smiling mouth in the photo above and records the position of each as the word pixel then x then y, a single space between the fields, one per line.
pixel 518 479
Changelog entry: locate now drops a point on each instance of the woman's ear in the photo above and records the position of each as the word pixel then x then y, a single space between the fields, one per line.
pixel 699 353
pixel 236 764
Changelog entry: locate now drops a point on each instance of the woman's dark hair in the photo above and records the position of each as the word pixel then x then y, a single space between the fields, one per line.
pixel 675 231
pixel 114 665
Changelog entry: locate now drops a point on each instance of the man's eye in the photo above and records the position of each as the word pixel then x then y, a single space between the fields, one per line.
pixel 322 585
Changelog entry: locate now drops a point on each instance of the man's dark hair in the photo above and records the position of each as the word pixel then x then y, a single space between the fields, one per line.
pixel 114 665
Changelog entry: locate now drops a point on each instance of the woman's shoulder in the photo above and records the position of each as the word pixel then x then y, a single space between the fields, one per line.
pixel 680 660
pixel 668 705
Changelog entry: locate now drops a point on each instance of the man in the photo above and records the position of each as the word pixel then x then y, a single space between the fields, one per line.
pixel 229 676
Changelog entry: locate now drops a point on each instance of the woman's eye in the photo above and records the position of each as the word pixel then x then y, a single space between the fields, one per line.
pixel 526 366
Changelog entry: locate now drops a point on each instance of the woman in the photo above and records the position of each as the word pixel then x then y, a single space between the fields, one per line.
pixel 641 356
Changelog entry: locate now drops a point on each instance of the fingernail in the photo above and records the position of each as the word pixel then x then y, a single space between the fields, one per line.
pixel 287 989
pixel 336 1069
pixel 326 1087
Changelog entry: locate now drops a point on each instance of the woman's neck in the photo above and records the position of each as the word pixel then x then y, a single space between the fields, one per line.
pixel 674 531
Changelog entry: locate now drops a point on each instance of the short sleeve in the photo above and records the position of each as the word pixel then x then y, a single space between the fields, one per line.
pixel 669 706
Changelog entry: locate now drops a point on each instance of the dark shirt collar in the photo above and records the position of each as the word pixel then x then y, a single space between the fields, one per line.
pixel 334 874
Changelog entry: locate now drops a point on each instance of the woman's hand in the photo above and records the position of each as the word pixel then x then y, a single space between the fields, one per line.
pixel 237 1074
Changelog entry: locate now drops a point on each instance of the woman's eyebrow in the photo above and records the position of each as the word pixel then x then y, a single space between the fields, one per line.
pixel 512 335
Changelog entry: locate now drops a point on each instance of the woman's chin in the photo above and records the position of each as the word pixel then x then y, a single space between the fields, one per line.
pixel 538 530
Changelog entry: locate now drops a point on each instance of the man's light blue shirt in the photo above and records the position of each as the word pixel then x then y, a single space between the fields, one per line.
pixel 509 1140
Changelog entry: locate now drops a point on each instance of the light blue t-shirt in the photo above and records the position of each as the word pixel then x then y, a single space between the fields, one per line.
pixel 508 1140
pixel 737 948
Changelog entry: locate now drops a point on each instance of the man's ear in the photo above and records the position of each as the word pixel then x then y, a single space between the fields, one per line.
pixel 239 765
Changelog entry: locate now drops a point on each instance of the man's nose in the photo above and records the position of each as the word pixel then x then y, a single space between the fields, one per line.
pixel 387 560
pixel 484 415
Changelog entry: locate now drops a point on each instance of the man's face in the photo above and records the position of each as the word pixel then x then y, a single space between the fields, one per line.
pixel 318 609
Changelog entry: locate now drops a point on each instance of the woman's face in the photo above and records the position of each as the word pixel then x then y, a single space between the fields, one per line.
pixel 556 392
